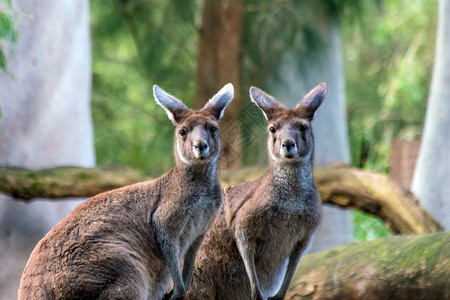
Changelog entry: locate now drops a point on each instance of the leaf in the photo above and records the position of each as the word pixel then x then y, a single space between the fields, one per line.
pixel 6 25
pixel 2 60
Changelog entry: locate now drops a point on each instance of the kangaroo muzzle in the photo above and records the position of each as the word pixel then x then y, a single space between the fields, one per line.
pixel 288 148
pixel 200 149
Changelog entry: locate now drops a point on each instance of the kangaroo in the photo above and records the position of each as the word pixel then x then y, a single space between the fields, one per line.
pixel 128 243
pixel 264 227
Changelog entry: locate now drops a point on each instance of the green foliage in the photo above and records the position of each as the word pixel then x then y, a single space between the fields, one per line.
pixel 2 60
pixel 388 65
pixel 388 57
pixel 272 28
pixel 368 227
pixel 8 33
pixel 137 44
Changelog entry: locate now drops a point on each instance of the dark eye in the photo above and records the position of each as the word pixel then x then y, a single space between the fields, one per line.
pixel 182 132
pixel 213 130
pixel 272 129
pixel 303 128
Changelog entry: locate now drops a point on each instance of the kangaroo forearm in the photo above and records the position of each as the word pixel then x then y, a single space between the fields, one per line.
pixel 189 260
pixel 293 263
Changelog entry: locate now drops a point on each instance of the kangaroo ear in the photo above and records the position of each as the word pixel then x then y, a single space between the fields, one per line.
pixel 175 109
pixel 265 102
pixel 217 104
pixel 311 102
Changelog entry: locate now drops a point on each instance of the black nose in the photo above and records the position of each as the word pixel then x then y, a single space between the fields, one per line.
pixel 288 144
pixel 201 146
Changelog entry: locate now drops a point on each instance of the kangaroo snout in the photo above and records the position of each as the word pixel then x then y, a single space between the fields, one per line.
pixel 201 148
pixel 288 148
pixel 288 144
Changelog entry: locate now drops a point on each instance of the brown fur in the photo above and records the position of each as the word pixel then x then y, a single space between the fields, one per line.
pixel 128 243
pixel 265 226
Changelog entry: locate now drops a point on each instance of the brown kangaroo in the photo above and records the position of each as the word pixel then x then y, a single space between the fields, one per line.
pixel 128 243
pixel 264 227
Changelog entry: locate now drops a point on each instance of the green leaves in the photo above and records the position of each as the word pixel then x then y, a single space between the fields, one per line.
pixel 137 44
pixel 8 34
pixel 2 60
pixel 388 65
pixel 6 25
pixel 368 227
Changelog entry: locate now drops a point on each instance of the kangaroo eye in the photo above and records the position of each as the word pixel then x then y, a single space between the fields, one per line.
pixel 213 130
pixel 182 132
pixel 272 129
pixel 303 128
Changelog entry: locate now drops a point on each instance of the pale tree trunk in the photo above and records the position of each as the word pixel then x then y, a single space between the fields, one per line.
pixel 45 119
pixel 218 64
pixel 297 76
pixel 431 182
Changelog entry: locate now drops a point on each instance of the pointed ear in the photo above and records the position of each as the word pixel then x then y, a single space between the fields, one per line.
pixel 311 102
pixel 265 102
pixel 175 109
pixel 217 104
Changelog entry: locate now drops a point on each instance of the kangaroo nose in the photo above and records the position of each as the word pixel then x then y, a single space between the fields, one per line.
pixel 288 144
pixel 201 146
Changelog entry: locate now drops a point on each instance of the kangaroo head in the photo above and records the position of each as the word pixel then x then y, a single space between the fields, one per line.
pixel 290 134
pixel 196 132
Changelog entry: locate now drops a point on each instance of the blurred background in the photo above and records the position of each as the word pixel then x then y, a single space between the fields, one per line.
pixel 376 57
pixel 76 89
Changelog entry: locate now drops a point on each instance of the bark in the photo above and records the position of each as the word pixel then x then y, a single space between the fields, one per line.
pixel 338 185
pixel 376 194
pixel 398 267
pixel 218 64
pixel 64 182
pixel 431 180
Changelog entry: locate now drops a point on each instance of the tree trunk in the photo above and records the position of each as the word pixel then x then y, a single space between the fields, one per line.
pixel 218 64
pixel 45 119
pixel 338 185
pixel 297 75
pixel 431 180
pixel 400 267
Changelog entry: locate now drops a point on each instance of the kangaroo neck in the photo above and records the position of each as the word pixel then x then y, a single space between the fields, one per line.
pixel 203 174
pixel 294 178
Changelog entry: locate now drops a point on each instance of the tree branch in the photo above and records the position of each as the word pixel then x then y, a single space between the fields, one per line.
pixel 376 194
pixel 64 182
pixel 338 185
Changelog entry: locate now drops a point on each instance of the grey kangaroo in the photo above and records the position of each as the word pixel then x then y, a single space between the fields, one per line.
pixel 264 227
pixel 128 243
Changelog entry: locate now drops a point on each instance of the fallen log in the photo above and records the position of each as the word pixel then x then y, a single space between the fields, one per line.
pixel 338 185
pixel 397 267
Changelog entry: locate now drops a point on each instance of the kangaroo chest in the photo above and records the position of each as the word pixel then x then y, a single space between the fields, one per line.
pixel 286 227
pixel 284 224
pixel 198 217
